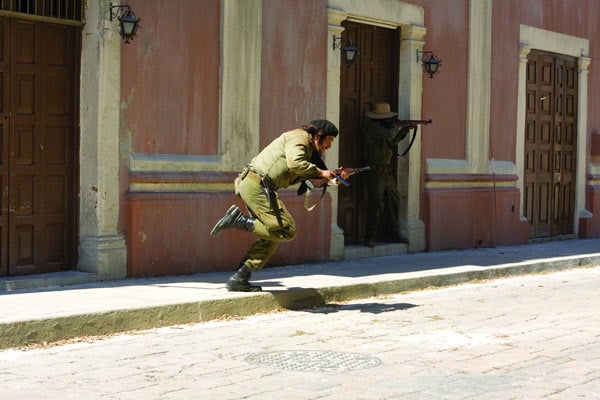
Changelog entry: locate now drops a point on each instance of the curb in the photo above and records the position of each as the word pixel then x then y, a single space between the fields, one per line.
pixel 44 331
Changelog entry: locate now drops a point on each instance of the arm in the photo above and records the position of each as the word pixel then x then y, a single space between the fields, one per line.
pixel 296 150
pixel 402 132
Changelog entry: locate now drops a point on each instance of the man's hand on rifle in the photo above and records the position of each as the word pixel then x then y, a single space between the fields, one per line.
pixel 333 177
pixel 339 176
pixel 343 172
pixel 327 174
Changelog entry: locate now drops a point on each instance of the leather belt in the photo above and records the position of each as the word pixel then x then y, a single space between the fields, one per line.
pixel 268 187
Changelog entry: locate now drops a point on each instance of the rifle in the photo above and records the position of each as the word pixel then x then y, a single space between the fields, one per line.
pixel 414 123
pixel 339 179
pixel 410 122
pixel 308 185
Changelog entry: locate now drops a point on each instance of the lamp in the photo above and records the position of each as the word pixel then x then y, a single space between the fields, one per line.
pixel 127 19
pixel 431 64
pixel 350 51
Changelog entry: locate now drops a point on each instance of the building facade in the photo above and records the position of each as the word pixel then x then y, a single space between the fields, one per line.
pixel 119 158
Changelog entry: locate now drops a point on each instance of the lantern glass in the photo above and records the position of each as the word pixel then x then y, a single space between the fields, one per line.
pixel 128 25
pixel 350 54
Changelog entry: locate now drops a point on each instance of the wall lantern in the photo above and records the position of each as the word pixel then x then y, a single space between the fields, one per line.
pixel 127 19
pixel 349 50
pixel 431 64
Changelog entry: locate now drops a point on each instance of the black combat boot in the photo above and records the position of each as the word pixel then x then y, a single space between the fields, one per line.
pixel 234 218
pixel 239 281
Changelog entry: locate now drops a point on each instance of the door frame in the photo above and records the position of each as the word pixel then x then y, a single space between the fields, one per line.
pixel 410 19
pixel 353 121
pixel 545 208
pixel 553 42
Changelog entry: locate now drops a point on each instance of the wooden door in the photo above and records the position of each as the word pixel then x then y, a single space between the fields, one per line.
pixel 4 141
pixel 38 170
pixel 550 144
pixel 372 78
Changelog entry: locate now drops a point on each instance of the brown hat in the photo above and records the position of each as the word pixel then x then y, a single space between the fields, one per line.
pixel 381 111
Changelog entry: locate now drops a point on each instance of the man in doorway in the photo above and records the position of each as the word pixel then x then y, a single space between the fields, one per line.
pixel 382 135
pixel 284 162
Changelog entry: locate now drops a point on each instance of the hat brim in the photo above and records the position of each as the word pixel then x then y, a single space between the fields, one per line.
pixel 373 115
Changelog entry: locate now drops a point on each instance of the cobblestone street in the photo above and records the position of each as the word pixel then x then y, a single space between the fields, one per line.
pixel 532 337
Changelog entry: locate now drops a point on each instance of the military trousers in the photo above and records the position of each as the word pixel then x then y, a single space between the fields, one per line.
pixel 382 194
pixel 273 222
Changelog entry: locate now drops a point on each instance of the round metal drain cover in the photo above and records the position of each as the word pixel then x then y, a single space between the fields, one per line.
pixel 313 360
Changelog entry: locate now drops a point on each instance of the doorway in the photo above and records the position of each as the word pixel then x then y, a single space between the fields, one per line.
pixel 373 77
pixel 38 124
pixel 550 144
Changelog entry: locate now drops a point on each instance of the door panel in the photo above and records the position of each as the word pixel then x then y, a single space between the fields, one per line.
pixel 4 136
pixel 39 133
pixel 550 148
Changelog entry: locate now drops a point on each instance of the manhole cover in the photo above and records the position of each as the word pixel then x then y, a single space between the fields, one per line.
pixel 313 360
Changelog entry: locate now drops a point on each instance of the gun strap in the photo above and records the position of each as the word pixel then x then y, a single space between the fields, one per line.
pixel 307 198
pixel 411 141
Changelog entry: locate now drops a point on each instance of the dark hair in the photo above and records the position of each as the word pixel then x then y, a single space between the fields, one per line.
pixel 321 127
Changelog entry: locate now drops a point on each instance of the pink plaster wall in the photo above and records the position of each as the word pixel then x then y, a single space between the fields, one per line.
pixel 470 218
pixel 170 78
pixel 590 228
pixel 445 95
pixel 294 65
pixel 169 234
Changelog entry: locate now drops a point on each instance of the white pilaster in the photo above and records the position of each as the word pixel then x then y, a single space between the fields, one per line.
pixel 582 112
pixel 409 107
pixel 521 118
pixel 102 248
pixel 334 29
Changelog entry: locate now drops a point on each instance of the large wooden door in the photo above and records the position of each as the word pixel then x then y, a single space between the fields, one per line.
pixel 38 111
pixel 372 78
pixel 4 141
pixel 550 144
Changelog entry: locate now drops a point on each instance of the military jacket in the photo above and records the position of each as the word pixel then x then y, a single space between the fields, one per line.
pixel 286 159
pixel 381 143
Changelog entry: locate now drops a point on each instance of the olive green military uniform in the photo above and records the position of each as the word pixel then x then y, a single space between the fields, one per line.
pixel 381 144
pixel 282 163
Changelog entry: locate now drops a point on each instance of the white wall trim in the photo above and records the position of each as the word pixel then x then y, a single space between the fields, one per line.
pixel 240 83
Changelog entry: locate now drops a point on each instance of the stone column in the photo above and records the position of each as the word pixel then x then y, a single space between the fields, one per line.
pixel 409 107
pixel 521 118
pixel 102 248
pixel 335 18
pixel 582 150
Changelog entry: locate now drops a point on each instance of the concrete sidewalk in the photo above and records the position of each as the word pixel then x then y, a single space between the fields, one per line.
pixel 34 316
